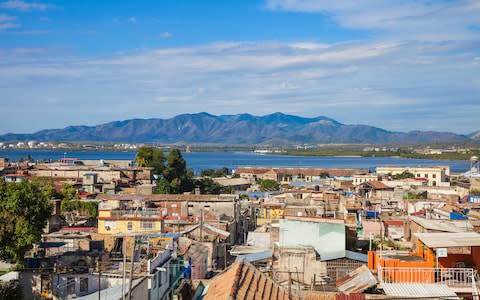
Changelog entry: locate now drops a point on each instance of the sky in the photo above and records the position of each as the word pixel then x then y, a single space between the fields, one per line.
pixel 399 65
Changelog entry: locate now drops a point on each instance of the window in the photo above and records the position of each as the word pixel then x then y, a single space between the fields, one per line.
pixel 434 175
pixel 129 226
pixel 70 285
pixel 159 278
pixel 111 224
pixel 418 174
pixel 83 284
pixel 146 225
pixel 434 183
pixel 426 175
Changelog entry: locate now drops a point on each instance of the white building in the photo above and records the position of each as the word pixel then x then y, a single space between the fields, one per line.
pixel 436 175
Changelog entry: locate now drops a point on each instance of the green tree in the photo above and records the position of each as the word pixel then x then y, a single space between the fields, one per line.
pixel 209 186
pixel 68 192
pixel 403 175
pixel 163 186
pixel 410 196
pixel 24 211
pixel 222 172
pixel 47 187
pixel 84 208
pixel 207 172
pixel 268 185
pixel 324 175
pixel 148 156
pixel 176 177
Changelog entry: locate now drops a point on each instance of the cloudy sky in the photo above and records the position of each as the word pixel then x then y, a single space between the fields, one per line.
pixel 399 65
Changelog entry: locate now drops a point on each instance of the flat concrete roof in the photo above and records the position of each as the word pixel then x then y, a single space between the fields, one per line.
pixel 449 239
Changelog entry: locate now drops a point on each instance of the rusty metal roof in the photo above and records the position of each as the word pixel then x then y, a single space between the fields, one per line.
pixel 356 281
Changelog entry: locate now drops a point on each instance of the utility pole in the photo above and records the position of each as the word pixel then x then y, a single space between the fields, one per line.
pixel 99 276
pixel 225 256
pixel 201 225
pixel 289 285
pixel 124 267
pixel 131 269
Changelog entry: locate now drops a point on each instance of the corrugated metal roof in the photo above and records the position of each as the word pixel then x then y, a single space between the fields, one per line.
pixel 443 225
pixel 255 256
pixel 418 290
pixel 216 230
pixel 356 256
pixel 14 275
pixel 449 239
pixel 356 281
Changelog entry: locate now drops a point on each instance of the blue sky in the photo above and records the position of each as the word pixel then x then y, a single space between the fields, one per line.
pixel 399 65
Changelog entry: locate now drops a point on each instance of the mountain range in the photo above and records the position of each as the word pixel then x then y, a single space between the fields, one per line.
pixel 240 129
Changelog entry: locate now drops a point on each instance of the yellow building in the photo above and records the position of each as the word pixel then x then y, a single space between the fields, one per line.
pixel 111 222
pixel 270 213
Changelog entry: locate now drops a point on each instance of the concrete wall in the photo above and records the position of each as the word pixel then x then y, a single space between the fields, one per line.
pixel 435 175
pixel 215 207
pixel 327 238
pixel 121 226
pixel 302 263
pixel 102 176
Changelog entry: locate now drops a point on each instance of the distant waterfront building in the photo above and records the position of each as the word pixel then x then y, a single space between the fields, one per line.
pixel 436 175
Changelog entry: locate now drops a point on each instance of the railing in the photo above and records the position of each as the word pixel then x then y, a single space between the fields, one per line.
pixel 453 277
pixel 383 253
pixel 139 213
pixel 108 206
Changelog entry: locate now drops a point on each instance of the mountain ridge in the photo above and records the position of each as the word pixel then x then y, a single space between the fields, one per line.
pixel 275 128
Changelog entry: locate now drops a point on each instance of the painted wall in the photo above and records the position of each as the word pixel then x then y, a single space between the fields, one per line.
pixel 121 226
pixel 327 238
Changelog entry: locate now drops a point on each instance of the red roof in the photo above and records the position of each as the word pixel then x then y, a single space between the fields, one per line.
pixel 394 222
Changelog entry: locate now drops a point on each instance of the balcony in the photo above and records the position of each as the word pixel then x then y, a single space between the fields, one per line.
pixel 460 280
pixel 145 213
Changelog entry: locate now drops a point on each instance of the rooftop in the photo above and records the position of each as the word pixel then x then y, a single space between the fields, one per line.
pixel 244 281
pixel 449 240
pixel 443 225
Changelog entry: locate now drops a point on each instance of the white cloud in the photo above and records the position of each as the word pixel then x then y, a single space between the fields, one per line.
pixel 8 25
pixel 425 20
pixel 132 20
pixel 387 84
pixel 6 18
pixel 24 5
pixel 165 35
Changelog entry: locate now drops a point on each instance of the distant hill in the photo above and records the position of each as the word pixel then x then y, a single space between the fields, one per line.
pixel 475 135
pixel 203 128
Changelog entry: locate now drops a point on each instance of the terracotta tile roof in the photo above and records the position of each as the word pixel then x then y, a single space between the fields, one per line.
pixel 377 185
pixel 295 171
pixel 169 197
pixel 243 281
pixel 394 222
